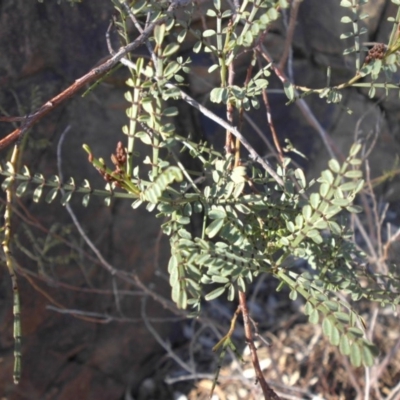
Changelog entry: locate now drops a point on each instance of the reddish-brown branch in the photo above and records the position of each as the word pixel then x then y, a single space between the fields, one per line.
pixel 290 33
pixel 80 83
pixel 269 394
pixel 272 126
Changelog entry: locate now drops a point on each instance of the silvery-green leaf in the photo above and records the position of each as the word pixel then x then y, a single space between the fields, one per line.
pixel 344 345
pixel 355 355
pixel 21 188
pixel 51 195
pixel 215 293
pixel 215 226
pixel 334 166
pixel 37 194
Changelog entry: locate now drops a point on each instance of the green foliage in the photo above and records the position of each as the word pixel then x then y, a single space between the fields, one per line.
pixel 252 223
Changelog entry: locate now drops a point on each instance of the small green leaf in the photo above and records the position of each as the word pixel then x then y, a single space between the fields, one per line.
pixel 25 171
pixel 65 198
pixel 37 194
pixel 293 295
pixel 342 317
pixel 213 68
pixel 10 168
pixel 289 90
pixel 242 208
pixel 272 14
pixel 299 221
pixel 355 332
pixel 334 228
pixel 238 189
pixel 334 166
pixel 217 4
pixel 197 207
pixel 182 299
pixel 369 353
pixel 170 49
pixel 301 179
pixel 182 34
pixel 314 317
pixel 315 200
pixel 227 14
pixel 355 355
pixel 321 224
pixel 327 327
pixel 307 212
pixel 324 189
pixel 173 264
pixel 21 188
pixel 231 293
pixel 312 233
pixel 6 183
pixel 239 174
pixel 170 112
pixel 219 279
pixel 159 33
pixel 348 186
pixel 290 226
pixel 136 204
pixel 326 176
pixel 209 33
pixel 51 195
pixel 335 336
pixel 346 20
pixel 217 213
pixel 218 95
pixel 354 209
pixel 241 283
pixel 344 345
pixel 308 308
pixel 355 173
pixel 197 46
pixel 138 6
pixel 85 200
pixel 215 293
pixel 215 226
pixel 341 202
pixel 355 148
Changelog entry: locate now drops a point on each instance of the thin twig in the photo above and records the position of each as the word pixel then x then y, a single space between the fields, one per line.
pixel 304 108
pixel 382 366
pixel 77 224
pixel 269 393
pixel 271 124
pixel 160 341
pixel 287 50
pixel 91 76
pixel 256 157
pixel 106 318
